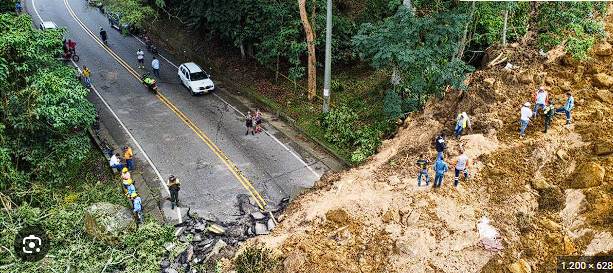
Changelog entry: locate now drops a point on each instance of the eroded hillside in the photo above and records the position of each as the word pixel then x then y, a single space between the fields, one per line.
pixel 547 194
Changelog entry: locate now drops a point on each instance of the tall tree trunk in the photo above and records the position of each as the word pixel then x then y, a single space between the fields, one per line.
pixel 277 70
pixel 460 52
pixel 242 48
pixel 504 30
pixel 310 37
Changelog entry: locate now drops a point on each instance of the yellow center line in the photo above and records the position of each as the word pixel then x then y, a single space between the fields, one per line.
pixel 227 162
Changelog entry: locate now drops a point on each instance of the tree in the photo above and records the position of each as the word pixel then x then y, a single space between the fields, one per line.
pixel 310 38
pixel 419 49
pixel 43 108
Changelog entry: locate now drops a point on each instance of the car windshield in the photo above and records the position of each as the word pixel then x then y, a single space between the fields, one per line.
pixel 198 76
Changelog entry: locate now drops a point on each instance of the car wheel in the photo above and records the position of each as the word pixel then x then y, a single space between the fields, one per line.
pixel 192 91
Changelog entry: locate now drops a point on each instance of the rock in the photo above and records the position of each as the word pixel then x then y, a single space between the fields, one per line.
pixel 218 246
pixel 568 245
pixel 587 175
pixel 592 70
pixel 164 264
pixel 412 218
pixel 171 270
pixel 525 77
pixel 520 266
pixel 561 154
pixel 197 238
pixel 603 49
pixel 549 81
pixel 170 246
pixel 602 80
pixel 294 262
pixel 401 247
pixel 602 147
pixel 603 95
pixel 393 180
pixel 257 215
pixel 569 60
pixel 108 222
pixel 200 227
pixel 597 115
pixel 261 229
pixel 539 183
pixel 189 253
pixel 565 86
pixel 339 216
pixel 389 216
pixel 270 224
pixel 489 82
pixel 551 225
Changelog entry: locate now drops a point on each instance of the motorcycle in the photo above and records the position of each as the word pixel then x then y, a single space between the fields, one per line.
pixel 70 55
pixel 150 46
pixel 149 82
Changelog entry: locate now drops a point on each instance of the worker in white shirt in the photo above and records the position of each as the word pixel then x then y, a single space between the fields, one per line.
pixel 526 113
pixel 541 98
pixel 115 162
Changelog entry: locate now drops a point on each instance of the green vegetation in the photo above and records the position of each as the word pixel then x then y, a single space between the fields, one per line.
pixel 258 259
pixel 49 171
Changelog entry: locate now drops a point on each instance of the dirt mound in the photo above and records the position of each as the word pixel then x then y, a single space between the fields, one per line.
pixel 546 194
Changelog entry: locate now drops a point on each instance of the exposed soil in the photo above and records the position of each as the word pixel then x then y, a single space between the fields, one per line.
pixel 547 194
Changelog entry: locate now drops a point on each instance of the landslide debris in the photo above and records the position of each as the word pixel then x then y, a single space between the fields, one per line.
pixel 546 194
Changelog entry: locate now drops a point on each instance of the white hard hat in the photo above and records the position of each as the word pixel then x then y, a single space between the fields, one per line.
pixel 527 104
pixel 542 88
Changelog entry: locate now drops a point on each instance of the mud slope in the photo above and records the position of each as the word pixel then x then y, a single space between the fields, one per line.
pixel 547 194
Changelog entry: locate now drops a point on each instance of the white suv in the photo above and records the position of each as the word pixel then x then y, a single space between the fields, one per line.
pixel 195 79
pixel 47 25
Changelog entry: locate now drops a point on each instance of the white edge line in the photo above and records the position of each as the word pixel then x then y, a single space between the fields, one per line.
pixel 269 134
pixel 36 11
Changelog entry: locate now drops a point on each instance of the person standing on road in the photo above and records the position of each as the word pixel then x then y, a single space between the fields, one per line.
pixel 115 162
pixel 461 122
pixel 422 165
pixel 440 145
pixel 103 35
pixel 568 106
pixel 174 185
pixel 129 156
pixel 549 112
pixel 258 120
pixel 460 165
pixel 541 99
pixel 249 122
pixel 140 56
pixel 125 176
pixel 440 168
pixel 86 74
pixel 155 64
pixel 137 207
pixel 526 114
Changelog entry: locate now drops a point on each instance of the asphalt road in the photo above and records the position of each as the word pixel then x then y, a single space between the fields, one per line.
pixel 186 147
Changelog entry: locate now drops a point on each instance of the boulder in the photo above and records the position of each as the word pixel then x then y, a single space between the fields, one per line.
pixel 597 115
pixel 270 224
pixel 108 222
pixel 561 154
pixel 261 229
pixel 592 70
pixel 489 82
pixel 294 261
pixel 565 86
pixel 551 225
pixel 539 183
pixel 602 147
pixel 520 266
pixel 587 175
pixel 257 215
pixel 339 216
pixel 602 80
pixel 569 248
pixel 525 78
pixel 603 96
pixel 549 81
pixel 389 216
pixel 603 49
pixel 393 180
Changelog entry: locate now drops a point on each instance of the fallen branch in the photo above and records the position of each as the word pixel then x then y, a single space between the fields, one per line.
pixel 495 60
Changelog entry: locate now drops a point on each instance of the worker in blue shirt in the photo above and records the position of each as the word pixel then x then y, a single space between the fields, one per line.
pixel 440 168
pixel 568 106
pixel 137 207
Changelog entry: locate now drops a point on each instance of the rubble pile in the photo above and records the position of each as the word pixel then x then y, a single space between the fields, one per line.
pixel 204 239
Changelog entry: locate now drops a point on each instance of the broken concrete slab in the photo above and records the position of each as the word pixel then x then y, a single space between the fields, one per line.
pixel 257 215
pixel 261 229
pixel 271 224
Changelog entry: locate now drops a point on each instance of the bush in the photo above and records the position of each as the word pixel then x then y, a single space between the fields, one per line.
pixel 256 260
pixel 367 142
pixel 392 105
pixel 339 126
